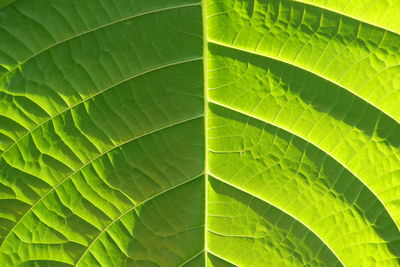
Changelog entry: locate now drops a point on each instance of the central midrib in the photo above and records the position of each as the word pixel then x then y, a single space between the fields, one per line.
pixel 205 81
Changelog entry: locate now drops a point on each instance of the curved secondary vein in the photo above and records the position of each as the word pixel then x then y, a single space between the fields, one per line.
pixel 95 29
pixel 345 15
pixel 4 5
pixel 135 207
pixel 310 142
pixel 92 160
pixel 221 258
pixel 282 210
pixel 99 93
pixel 310 71
pixel 191 258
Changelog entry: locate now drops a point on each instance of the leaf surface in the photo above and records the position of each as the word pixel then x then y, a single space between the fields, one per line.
pixel 187 133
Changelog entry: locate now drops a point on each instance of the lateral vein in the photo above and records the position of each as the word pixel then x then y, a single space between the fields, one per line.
pixel 96 94
pixel 133 208
pixel 307 70
pixel 281 209
pixel 89 162
pixel 308 141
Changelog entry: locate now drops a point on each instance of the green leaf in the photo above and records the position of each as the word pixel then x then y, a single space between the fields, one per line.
pixel 188 133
